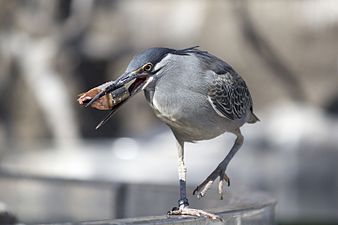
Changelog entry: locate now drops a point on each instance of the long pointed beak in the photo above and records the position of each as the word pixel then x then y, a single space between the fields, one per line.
pixel 119 82
pixel 113 87
pixel 105 91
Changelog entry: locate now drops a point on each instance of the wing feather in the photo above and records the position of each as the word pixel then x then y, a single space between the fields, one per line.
pixel 230 96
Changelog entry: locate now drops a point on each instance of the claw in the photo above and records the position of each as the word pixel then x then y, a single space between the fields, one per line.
pixel 227 179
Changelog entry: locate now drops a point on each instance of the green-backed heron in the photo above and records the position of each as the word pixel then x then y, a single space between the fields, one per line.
pixel 198 96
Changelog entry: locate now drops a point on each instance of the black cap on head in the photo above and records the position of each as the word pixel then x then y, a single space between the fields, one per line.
pixel 152 55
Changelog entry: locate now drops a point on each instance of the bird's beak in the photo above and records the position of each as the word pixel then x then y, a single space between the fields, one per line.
pixel 133 81
pixel 116 92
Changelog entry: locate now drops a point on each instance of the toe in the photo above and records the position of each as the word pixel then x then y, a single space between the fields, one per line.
pixel 220 188
pixel 202 189
pixel 194 212
pixel 227 179
pixel 222 180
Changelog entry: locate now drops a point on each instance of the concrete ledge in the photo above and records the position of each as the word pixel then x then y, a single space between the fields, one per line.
pixel 241 209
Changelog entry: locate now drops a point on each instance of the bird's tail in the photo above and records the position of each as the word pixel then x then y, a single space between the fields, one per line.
pixel 252 118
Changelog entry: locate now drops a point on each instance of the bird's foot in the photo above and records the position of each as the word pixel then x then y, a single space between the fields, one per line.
pixel 186 211
pixel 202 189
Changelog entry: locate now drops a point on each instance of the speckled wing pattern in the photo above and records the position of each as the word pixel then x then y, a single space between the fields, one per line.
pixel 230 96
pixel 228 93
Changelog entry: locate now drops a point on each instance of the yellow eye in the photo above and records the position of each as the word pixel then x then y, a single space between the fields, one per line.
pixel 147 67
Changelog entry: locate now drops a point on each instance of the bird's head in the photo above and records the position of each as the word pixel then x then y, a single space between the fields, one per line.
pixel 142 70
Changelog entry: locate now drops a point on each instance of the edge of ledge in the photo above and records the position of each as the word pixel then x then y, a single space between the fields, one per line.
pixel 254 204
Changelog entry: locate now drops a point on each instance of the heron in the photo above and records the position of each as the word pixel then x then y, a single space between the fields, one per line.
pixel 198 95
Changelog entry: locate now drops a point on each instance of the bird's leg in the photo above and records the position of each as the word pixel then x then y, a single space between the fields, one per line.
pixel 183 204
pixel 182 171
pixel 201 190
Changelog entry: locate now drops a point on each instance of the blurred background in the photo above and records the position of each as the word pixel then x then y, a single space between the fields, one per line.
pixel 54 165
